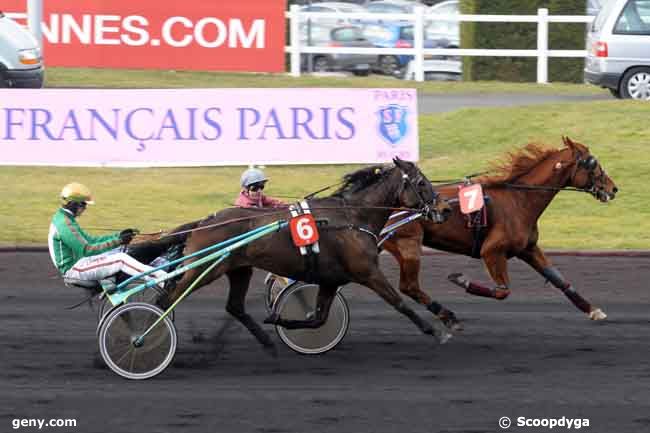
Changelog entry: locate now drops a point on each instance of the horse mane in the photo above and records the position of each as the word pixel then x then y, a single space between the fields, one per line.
pixel 517 163
pixel 362 178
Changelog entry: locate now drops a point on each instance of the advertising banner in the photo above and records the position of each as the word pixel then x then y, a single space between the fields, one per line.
pixel 244 35
pixel 206 127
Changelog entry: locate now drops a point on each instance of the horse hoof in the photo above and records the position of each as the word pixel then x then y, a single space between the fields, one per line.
pixel 444 337
pixel 271 350
pixel 451 322
pixel 597 314
pixel 458 279
pixel 457 326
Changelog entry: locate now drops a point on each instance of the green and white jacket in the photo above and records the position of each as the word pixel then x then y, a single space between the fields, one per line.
pixel 68 243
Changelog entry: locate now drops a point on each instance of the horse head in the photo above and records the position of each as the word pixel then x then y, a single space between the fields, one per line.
pixel 417 191
pixel 588 174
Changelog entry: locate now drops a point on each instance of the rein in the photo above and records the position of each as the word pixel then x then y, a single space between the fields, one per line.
pixel 284 211
pixel 542 188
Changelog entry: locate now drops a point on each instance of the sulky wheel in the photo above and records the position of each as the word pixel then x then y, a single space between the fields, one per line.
pixel 274 285
pixel 298 302
pixel 119 345
pixel 148 296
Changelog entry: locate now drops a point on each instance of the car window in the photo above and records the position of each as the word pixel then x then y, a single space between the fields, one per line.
pixel 317 9
pixel 406 33
pixel 317 34
pixel 602 16
pixel 378 33
pixel 634 19
pixel 347 34
pixel 351 9
pixel 385 8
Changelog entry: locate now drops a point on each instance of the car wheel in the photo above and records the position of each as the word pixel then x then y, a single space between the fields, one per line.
pixel 362 73
pixel 388 65
pixel 615 93
pixel 636 84
pixel 321 64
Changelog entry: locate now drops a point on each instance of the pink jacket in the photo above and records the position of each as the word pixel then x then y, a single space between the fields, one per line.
pixel 244 200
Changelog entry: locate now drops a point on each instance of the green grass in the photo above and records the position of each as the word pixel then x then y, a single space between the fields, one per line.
pixel 73 77
pixel 452 144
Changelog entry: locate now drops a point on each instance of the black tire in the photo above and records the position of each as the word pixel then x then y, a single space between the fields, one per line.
pixel 362 73
pixel 615 93
pixel 296 303
pixel 635 84
pixel 118 341
pixel 388 65
pixel 321 64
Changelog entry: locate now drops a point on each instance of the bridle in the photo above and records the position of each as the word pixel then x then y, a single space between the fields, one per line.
pixel 427 209
pixel 590 164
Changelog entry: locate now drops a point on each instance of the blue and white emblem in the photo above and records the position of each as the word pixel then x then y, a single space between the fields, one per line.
pixel 392 123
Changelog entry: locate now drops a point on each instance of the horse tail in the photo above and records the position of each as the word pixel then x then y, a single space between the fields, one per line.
pixel 148 250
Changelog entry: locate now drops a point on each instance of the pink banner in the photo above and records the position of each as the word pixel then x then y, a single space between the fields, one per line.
pixel 207 127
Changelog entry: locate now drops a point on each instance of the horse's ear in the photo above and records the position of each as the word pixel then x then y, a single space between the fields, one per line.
pixel 568 142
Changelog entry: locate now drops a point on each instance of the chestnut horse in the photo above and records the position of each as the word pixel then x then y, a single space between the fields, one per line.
pixel 519 191
pixel 353 217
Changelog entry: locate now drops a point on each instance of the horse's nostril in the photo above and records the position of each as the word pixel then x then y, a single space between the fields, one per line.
pixel 615 190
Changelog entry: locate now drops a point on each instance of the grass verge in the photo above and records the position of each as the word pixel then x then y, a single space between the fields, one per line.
pixel 452 144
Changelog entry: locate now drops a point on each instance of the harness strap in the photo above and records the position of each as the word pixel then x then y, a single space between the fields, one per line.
pixel 364 230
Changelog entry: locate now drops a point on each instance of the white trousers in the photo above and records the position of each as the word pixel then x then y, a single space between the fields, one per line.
pixel 95 268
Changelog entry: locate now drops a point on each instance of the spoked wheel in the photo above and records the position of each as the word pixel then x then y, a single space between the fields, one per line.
pixel 148 296
pixel 119 345
pixel 298 302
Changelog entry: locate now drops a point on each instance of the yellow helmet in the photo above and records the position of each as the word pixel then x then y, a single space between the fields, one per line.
pixel 76 192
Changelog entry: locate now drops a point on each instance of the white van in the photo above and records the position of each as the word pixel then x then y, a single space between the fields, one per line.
pixel 618 47
pixel 21 64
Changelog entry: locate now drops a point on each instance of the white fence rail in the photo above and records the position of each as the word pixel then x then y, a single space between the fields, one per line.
pixel 418 51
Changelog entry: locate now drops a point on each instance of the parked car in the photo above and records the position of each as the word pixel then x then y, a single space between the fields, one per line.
pixel 390 7
pixel 618 46
pixel 393 35
pixel 593 7
pixel 21 64
pixel 443 29
pixel 332 7
pixel 347 36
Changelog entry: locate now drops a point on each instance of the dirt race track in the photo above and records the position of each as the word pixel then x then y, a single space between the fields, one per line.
pixel 531 356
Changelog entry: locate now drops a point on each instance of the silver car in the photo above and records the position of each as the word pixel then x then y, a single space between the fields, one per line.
pixel 618 47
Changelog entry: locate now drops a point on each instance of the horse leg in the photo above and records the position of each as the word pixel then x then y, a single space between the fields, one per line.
pixel 408 255
pixel 496 263
pixel 378 282
pixel 239 282
pixel 537 260
pixel 324 300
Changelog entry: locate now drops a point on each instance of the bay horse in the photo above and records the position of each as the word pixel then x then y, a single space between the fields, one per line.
pixel 353 216
pixel 519 191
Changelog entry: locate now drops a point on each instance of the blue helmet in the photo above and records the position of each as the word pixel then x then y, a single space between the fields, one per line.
pixel 251 176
